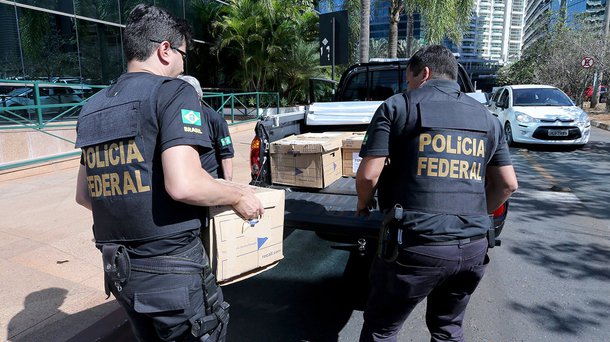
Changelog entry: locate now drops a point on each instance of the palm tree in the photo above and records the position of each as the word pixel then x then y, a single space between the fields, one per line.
pixel 396 7
pixel 442 18
pixel 378 48
pixel 365 19
pixel 272 41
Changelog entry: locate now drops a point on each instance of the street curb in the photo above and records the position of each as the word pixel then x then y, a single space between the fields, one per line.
pixel 601 125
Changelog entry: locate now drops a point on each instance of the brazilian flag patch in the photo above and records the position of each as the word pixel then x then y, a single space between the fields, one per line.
pixel 191 117
pixel 226 141
pixel 366 136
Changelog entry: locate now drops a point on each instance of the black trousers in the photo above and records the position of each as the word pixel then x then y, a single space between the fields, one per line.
pixel 162 306
pixel 446 275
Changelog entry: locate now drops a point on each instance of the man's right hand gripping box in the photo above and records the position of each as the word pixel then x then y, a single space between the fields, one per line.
pixel 239 249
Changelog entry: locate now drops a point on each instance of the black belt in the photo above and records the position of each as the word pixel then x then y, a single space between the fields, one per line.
pixel 453 242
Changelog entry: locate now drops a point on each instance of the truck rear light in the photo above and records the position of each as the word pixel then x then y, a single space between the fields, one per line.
pixel 255 156
pixel 501 211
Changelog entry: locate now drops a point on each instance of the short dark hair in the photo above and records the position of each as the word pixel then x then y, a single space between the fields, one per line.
pixel 438 58
pixel 147 23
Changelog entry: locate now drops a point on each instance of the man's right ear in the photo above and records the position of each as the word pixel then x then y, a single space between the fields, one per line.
pixel 427 74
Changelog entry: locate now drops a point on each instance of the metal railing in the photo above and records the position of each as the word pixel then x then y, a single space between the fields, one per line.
pixel 242 107
pixel 38 104
pixel 30 106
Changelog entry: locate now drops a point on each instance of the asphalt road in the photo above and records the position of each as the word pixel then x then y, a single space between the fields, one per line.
pixel 549 281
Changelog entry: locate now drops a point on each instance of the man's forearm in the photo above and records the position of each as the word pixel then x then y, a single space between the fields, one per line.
pixel 500 183
pixel 366 179
pixel 366 190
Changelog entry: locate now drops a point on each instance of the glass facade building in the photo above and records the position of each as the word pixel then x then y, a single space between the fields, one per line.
pixel 541 13
pixel 79 39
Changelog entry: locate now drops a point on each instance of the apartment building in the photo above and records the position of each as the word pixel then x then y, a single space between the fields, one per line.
pixel 540 14
pixel 495 31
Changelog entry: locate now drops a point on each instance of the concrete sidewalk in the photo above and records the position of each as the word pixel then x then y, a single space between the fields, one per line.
pixel 51 274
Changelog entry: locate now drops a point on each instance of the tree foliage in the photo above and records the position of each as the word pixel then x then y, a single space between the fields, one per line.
pixel 556 60
pixel 273 42
pixel 442 19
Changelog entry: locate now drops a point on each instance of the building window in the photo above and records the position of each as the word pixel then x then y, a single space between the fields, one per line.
pixel 101 57
pixel 106 10
pixel 65 6
pixel 48 42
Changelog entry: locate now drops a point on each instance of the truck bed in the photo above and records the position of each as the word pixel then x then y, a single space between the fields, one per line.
pixel 330 210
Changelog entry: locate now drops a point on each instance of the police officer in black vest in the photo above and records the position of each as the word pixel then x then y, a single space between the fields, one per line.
pixel 440 164
pixel 217 161
pixel 140 175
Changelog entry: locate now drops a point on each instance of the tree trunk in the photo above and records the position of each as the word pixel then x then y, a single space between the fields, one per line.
pixel 365 30
pixel 409 34
pixel 597 81
pixel 395 9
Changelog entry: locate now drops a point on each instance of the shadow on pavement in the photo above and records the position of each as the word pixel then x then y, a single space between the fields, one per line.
pixel 556 318
pixel 55 324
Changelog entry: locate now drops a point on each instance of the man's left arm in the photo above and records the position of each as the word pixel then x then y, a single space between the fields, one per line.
pixel 367 178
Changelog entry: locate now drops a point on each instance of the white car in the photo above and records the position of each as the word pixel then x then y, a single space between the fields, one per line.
pixel 540 114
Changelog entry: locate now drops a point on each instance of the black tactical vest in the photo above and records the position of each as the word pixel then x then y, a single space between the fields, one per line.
pixel 117 131
pixel 438 155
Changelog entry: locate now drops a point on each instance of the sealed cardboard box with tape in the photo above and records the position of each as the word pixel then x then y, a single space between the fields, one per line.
pixel 239 249
pixel 350 149
pixel 310 160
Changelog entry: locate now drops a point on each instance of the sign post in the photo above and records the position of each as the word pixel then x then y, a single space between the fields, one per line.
pixel 333 39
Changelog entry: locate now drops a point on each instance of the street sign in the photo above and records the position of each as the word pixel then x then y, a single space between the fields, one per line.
pixel 587 62
pixel 333 38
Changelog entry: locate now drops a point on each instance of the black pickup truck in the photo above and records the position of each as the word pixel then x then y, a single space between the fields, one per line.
pixel 331 211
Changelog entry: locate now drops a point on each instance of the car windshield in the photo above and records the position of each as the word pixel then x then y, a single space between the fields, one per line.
pixel 540 97
pixel 18 92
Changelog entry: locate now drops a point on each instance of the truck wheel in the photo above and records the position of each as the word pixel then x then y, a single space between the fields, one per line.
pixel 508 131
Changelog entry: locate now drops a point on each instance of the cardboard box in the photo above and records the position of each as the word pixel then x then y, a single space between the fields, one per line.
pixel 350 149
pixel 239 249
pixel 310 160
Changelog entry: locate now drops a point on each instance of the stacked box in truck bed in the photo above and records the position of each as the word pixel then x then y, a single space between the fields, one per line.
pixel 311 160
pixel 350 150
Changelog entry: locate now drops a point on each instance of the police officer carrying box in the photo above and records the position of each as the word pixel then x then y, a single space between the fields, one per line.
pixel 440 164
pixel 141 176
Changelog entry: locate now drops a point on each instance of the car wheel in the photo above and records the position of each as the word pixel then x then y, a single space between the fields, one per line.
pixel 508 131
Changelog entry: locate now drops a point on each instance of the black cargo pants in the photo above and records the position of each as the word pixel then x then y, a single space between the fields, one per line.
pixel 164 304
pixel 446 275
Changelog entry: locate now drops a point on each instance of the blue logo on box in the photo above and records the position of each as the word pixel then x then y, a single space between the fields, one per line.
pixel 261 241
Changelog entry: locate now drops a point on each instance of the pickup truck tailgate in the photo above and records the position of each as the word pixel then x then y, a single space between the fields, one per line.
pixel 330 210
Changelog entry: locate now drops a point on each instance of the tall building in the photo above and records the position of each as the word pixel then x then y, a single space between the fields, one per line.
pixel 379 19
pixel 540 14
pixel 494 32
pixel 380 26
pixel 75 38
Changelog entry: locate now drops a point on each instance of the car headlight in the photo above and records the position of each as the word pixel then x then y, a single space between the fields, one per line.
pixel 584 119
pixel 524 118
